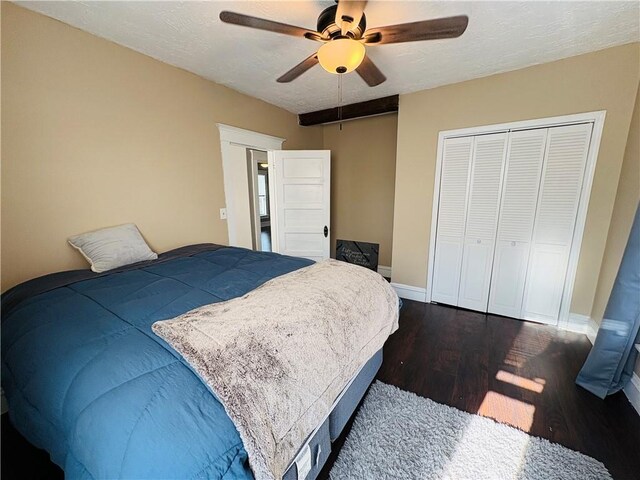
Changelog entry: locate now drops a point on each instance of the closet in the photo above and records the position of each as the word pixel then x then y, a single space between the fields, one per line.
pixel 506 214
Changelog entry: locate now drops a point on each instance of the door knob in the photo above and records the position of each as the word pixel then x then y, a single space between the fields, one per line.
pixel 326 231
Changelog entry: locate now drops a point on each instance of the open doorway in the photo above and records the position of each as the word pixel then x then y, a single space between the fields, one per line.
pixel 258 170
pixel 242 151
pixel 296 197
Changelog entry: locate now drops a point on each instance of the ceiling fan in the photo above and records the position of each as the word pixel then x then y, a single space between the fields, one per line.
pixel 342 29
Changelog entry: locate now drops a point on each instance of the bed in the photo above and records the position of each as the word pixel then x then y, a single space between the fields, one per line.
pixel 87 380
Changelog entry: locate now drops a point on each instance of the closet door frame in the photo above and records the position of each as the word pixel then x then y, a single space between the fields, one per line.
pixel 597 118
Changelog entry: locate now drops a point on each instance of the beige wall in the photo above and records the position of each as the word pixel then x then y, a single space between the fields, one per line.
pixel 626 202
pixel 624 210
pixel 95 134
pixel 363 163
pixel 604 80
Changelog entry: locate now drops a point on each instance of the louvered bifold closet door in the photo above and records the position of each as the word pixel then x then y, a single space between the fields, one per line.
pixel 452 206
pixel 515 227
pixel 482 219
pixel 558 199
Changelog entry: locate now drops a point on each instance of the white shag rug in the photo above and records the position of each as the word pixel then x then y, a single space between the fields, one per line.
pixel 399 435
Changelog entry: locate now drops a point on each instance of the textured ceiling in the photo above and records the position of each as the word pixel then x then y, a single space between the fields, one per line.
pixel 501 36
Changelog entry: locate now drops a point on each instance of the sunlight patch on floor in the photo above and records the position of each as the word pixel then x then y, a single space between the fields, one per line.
pixel 507 410
pixel 536 385
pixel 503 460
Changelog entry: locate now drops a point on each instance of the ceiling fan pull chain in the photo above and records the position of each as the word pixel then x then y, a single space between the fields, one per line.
pixel 340 99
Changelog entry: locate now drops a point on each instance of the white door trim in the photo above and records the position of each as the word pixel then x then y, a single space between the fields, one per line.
pixel 273 203
pixel 238 136
pixel 597 118
pixel 546 122
pixel 581 218
pixel 253 192
pixel 248 138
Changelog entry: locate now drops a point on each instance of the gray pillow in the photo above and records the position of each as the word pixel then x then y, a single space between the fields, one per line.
pixel 112 247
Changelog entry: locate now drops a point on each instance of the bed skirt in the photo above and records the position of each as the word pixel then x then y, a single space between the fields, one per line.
pixel 344 407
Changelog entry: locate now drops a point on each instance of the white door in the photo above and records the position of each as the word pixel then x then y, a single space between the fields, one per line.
pixel 558 199
pixel 517 213
pixel 452 207
pixel 482 220
pixel 300 188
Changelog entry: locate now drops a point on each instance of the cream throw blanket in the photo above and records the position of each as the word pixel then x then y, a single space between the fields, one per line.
pixel 278 357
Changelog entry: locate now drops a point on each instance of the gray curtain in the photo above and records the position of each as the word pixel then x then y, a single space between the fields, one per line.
pixel 610 363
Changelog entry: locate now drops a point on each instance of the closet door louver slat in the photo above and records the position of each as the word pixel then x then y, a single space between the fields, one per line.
pixel 482 218
pixel 517 213
pixel 558 200
pixel 452 207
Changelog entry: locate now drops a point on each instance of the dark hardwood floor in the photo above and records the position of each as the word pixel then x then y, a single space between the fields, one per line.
pixel 516 372
pixel 519 373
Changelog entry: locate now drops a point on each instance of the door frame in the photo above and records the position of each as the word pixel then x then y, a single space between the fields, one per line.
pixel 249 139
pixel 273 205
pixel 253 172
pixel 597 118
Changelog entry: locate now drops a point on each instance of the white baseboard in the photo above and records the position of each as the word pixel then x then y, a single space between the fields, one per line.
pixel 410 292
pixel 632 391
pixel 582 324
pixel 384 271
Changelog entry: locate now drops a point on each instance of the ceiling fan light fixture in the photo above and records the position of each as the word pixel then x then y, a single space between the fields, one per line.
pixel 341 55
pixel 342 28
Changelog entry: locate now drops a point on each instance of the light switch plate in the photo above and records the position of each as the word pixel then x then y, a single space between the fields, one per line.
pixel 223 214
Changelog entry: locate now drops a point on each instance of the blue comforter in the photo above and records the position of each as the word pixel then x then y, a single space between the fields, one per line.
pixel 87 380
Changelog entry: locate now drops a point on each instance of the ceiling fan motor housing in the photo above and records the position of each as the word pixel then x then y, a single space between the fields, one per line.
pixel 327 24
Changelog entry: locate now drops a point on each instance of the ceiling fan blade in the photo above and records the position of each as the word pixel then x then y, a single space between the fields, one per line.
pixel 370 73
pixel 448 27
pixel 269 25
pixel 349 13
pixel 299 69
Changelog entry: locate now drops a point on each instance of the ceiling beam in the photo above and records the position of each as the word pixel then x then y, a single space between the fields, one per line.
pixel 379 106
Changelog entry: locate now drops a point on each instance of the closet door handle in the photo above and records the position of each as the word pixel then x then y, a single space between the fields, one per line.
pixel 326 231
